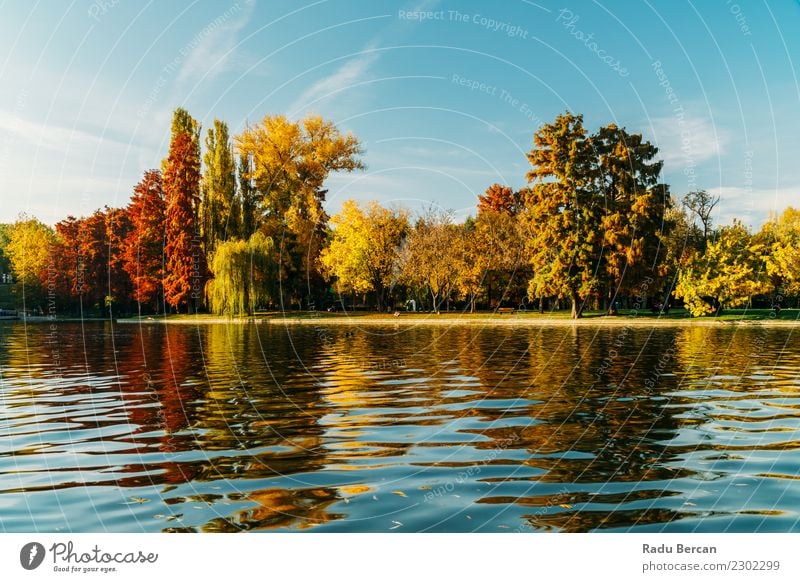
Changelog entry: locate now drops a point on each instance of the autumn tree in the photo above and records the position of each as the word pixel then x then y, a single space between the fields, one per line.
pixel 726 275
pixel 220 212
pixel 562 214
pixel 430 257
pixel 781 237
pixel 364 248
pixel 288 164
pixel 143 256
pixel 633 209
pixel 28 250
pixel 498 241
pixel 120 285
pixel 186 270
pixel 499 198
pixel 244 275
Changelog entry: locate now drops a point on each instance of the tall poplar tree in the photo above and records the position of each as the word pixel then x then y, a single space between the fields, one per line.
pixel 219 209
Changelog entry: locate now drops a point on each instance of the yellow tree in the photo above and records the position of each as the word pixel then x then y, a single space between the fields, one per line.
pixel 364 248
pixel 288 163
pixel 29 249
pixel 781 237
pixel 726 275
pixel 430 258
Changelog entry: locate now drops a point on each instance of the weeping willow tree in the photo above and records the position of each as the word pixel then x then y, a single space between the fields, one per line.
pixel 244 275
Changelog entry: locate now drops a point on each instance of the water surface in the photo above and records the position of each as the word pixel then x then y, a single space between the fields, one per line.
pixel 454 429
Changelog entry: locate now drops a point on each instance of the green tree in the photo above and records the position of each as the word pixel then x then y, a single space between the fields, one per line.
pixel 244 275
pixel 726 275
pixel 562 215
pixel 364 248
pixel 219 209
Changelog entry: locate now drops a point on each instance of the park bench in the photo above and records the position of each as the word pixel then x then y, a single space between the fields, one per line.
pixel 505 310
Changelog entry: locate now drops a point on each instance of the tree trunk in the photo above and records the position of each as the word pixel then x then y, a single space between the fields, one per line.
pixel 577 306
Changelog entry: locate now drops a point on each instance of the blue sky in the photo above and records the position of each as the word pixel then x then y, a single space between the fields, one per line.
pixel 445 95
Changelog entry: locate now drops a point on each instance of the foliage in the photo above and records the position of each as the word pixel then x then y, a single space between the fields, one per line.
pixel 431 255
pixel 29 248
pixel 499 198
pixel 219 209
pixel 634 204
pixel 728 274
pixel 781 237
pixel 562 214
pixel 186 271
pixel 244 275
pixel 364 247
pixel 289 163
pixel 143 254
pixel 5 235
pixel 248 197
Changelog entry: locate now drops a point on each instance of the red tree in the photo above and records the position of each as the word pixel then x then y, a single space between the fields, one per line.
pixel 186 269
pixel 143 257
pixel 499 198
pixel 118 229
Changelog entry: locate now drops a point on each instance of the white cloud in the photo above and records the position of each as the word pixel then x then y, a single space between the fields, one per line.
pixel 348 74
pixel 210 52
pixel 687 141
pixel 752 206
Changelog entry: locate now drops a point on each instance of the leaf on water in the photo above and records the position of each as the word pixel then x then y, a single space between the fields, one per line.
pixel 354 489
pixel 565 505
pixel 400 493
pixel 425 487
pixel 138 500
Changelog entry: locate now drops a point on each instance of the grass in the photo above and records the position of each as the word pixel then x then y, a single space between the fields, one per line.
pixel 625 317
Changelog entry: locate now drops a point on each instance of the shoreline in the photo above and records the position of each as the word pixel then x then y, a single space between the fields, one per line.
pixel 496 321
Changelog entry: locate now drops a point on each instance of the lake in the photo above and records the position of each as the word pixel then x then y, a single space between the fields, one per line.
pixel 463 428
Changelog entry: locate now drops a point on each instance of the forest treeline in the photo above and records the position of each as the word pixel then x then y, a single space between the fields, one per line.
pixel 233 225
